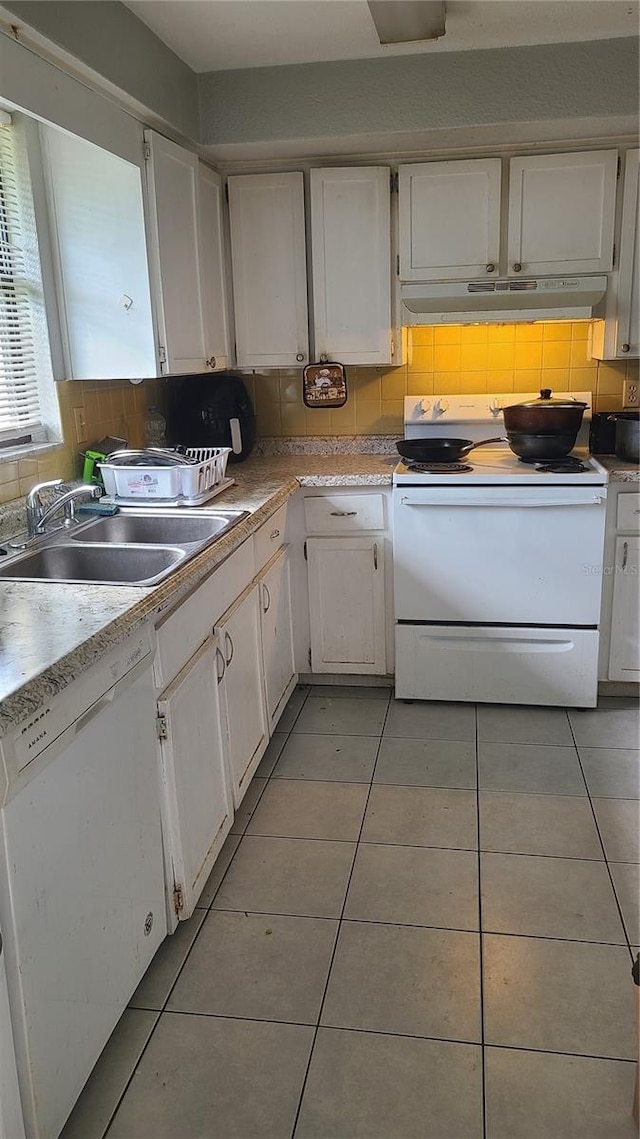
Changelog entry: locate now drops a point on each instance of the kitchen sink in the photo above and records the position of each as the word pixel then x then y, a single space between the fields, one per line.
pixel 138 546
pixel 159 529
pixel 99 564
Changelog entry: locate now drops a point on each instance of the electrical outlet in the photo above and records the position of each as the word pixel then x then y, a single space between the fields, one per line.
pixel 80 425
pixel 630 393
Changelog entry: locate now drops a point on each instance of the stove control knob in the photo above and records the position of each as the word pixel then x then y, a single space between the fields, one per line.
pixel 495 408
pixel 440 406
pixel 423 407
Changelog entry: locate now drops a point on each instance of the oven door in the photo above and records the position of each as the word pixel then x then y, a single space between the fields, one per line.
pixel 499 555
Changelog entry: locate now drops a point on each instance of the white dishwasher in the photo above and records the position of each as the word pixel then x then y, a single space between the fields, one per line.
pixel 82 901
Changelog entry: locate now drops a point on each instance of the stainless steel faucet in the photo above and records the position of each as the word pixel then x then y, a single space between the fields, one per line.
pixel 38 515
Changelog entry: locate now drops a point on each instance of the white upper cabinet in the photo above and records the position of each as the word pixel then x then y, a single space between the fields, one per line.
pixel 269 270
pixel 173 175
pixel 618 335
pixel 95 199
pixel 561 213
pixel 214 292
pixel 351 261
pixel 449 216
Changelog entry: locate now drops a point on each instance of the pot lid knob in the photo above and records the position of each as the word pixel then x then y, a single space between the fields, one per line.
pixel 545 393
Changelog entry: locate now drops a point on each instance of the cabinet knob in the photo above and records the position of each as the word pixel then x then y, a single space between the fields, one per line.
pixel 517 267
pixel 625 347
pixel 324 359
pixel 299 357
pixel 211 362
pixel 490 267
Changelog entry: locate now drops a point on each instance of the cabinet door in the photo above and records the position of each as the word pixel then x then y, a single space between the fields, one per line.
pixel 351 256
pixel 214 293
pixel 561 213
pixel 269 269
pixel 101 258
pixel 449 219
pixel 346 604
pixel 628 285
pixel 624 658
pixel 198 801
pixel 172 179
pixel 274 587
pixel 245 718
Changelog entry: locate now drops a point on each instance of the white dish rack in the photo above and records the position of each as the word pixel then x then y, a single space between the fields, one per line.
pixel 188 484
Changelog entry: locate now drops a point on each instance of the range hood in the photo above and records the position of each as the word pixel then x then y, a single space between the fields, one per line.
pixel 488 302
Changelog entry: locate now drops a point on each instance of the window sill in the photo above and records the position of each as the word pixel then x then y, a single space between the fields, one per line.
pixel 28 450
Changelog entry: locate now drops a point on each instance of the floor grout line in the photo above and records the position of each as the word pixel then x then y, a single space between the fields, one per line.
pixel 340 921
pixel 604 851
pixel 480 939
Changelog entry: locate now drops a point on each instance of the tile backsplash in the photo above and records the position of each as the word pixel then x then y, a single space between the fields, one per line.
pixel 108 408
pixel 445 361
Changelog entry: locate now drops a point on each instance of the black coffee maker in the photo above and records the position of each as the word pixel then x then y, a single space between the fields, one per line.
pixel 211 411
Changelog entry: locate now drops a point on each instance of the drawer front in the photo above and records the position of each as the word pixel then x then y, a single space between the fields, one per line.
pixel 344 513
pixel 628 511
pixel 497 665
pixel 270 537
pixel 188 626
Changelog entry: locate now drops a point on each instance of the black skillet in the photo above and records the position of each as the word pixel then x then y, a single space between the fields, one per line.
pixel 440 450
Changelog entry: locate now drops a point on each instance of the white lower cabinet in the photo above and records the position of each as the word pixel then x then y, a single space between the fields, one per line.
pixel 198 802
pixel 624 658
pixel 347 604
pixel 244 715
pixel 276 619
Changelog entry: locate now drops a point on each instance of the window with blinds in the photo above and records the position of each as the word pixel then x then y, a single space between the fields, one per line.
pixel 21 295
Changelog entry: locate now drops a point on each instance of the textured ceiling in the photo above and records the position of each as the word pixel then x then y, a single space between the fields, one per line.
pixel 218 35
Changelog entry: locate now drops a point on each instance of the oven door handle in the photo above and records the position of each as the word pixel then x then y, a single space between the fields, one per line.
pixel 593 500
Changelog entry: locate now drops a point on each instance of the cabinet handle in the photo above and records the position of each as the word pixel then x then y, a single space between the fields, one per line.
pixel 625 347
pixel 266 607
pixel 211 362
pixel 273 535
pixel 375 555
pixel 625 554
pixel 229 642
pixel 343 513
pixel 299 357
pixel 517 267
pixel 490 267
pixel 220 657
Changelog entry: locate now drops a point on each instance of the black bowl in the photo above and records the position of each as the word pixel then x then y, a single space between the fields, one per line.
pixel 541 448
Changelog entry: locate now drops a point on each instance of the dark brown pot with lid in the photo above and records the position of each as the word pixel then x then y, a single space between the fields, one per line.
pixel 545 416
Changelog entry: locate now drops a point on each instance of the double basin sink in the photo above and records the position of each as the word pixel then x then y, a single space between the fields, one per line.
pixel 134 547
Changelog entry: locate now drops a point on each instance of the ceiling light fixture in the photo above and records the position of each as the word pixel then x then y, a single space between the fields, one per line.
pixel 405 21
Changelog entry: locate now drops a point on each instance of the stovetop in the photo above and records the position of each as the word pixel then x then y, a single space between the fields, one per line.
pixel 479 417
pixel 487 467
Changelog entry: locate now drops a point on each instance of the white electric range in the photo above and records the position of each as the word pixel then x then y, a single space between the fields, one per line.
pixel 497 568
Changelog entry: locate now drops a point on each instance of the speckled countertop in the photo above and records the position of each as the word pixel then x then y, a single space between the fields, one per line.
pixel 619 471
pixel 51 632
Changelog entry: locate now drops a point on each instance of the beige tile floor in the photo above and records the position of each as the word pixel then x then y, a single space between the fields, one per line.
pixel 362 966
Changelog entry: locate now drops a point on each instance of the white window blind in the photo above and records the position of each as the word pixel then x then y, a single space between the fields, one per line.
pixel 20 288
